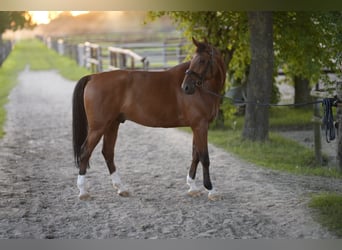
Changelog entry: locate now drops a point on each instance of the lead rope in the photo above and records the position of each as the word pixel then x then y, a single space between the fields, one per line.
pixel 328 118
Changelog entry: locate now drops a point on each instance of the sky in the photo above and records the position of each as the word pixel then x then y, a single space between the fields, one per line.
pixel 44 17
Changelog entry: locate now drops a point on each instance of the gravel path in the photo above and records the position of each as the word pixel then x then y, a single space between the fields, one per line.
pixel 39 193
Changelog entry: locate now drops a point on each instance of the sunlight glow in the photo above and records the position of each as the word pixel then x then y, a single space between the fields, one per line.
pixel 44 17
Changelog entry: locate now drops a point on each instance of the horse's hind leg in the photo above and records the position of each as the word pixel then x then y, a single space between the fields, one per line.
pixel 109 140
pixel 88 147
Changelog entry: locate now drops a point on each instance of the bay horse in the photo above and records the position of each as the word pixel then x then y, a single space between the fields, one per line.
pixel 179 97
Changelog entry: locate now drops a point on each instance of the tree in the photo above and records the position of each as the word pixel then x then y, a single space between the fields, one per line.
pixel 306 43
pixel 260 76
pixel 14 20
pixel 220 28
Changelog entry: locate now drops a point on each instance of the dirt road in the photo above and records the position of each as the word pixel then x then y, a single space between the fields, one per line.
pixel 39 194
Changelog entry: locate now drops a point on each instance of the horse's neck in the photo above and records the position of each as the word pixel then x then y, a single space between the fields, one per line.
pixel 221 74
pixel 182 66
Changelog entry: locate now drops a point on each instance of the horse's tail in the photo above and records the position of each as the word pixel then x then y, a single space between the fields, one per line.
pixel 79 119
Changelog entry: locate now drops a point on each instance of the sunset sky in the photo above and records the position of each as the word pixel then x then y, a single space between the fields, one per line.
pixel 44 17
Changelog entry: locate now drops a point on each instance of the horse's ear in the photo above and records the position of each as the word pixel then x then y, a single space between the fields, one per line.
pixel 206 40
pixel 195 42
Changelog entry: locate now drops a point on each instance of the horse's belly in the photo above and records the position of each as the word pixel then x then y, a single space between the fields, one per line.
pixel 157 119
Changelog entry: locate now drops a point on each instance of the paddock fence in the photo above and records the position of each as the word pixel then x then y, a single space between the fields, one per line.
pixel 110 56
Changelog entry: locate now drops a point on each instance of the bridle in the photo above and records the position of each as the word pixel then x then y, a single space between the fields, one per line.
pixel 201 77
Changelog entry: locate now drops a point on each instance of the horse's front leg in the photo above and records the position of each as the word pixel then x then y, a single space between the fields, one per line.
pixel 190 179
pixel 201 149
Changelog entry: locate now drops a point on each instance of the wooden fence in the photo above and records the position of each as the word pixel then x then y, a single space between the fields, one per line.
pixel 5 49
pixel 118 59
pixel 143 56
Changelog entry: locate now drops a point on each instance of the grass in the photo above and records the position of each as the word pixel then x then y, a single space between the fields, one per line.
pixel 278 153
pixel 290 118
pixel 328 209
pixel 286 118
pixel 39 57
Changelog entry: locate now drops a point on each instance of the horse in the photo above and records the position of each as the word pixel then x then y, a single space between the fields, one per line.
pixel 186 95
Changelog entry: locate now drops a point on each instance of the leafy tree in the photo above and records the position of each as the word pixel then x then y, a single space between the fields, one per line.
pixel 14 20
pixel 306 43
pixel 224 30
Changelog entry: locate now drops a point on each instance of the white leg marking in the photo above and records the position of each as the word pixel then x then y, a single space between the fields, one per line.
pixel 194 190
pixel 214 195
pixel 119 185
pixel 82 186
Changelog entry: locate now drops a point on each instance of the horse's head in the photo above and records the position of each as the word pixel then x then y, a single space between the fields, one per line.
pixel 204 66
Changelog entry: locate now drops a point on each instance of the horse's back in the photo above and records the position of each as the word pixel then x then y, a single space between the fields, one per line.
pixel 148 98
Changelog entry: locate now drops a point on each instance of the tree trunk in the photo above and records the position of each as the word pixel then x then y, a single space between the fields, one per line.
pixel 259 86
pixel 302 91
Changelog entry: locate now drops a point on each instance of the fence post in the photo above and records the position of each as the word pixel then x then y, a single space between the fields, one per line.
pixel 339 120
pixel 48 42
pixel 317 133
pixel 81 55
pixel 99 58
pixel 317 121
pixel 60 46
pixel 87 55
pixel 164 55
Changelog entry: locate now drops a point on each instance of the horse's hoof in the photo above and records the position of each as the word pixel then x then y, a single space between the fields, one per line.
pixel 123 193
pixel 84 196
pixel 194 193
pixel 215 197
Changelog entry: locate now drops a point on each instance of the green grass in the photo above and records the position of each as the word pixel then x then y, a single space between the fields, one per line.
pixel 328 209
pixel 290 118
pixel 283 118
pixel 39 57
pixel 278 153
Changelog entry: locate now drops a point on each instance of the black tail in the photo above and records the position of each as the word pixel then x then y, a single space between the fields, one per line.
pixel 79 119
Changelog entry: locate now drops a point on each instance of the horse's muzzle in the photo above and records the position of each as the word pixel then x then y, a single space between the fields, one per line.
pixel 188 87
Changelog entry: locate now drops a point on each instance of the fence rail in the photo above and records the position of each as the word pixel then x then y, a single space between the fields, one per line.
pixel 5 49
pixel 118 59
pixel 144 56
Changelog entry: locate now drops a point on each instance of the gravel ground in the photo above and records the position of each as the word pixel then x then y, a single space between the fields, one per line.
pixel 39 194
